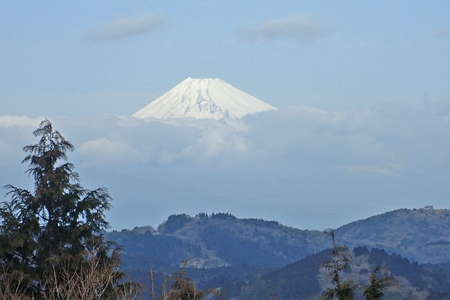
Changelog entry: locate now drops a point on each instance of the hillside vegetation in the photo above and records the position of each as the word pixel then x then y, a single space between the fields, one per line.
pixel 220 240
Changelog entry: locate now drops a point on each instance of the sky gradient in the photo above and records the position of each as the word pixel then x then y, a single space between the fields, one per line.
pixel 362 87
pixel 55 59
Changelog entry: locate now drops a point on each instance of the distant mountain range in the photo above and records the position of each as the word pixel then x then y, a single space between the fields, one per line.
pixel 217 248
pixel 217 240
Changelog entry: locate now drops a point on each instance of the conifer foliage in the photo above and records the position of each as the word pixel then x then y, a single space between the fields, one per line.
pixel 342 289
pixel 58 223
pixel 182 288
pixel 377 285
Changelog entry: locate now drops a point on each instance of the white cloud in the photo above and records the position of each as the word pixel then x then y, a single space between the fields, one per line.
pixel 125 27
pixel 217 141
pixel 10 121
pixel 15 132
pixel 104 150
pixel 296 27
pixel 294 159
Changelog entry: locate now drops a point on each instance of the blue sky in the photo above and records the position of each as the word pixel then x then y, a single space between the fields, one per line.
pixel 369 52
pixel 378 71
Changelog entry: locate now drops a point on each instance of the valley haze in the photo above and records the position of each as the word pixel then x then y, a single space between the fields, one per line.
pixel 194 150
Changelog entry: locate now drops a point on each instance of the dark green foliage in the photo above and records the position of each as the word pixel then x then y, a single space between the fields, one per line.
pixel 342 289
pixel 183 288
pixel 377 284
pixel 59 222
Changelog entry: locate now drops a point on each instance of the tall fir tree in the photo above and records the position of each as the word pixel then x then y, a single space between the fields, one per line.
pixel 377 285
pixel 183 288
pixel 58 223
pixel 342 289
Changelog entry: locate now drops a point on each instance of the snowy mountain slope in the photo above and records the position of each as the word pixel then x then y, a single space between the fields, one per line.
pixel 203 99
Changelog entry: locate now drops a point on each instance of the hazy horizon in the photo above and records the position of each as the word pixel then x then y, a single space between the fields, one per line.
pixel 362 89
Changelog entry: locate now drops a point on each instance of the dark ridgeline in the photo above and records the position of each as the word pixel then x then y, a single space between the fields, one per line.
pixel 221 240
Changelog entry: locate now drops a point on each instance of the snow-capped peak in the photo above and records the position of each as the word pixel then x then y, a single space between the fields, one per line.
pixel 203 99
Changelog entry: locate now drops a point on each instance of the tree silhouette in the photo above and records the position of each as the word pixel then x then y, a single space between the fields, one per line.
pixel 183 288
pixel 342 289
pixel 57 222
pixel 377 285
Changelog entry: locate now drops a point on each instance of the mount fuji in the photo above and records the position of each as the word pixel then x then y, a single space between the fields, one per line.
pixel 203 99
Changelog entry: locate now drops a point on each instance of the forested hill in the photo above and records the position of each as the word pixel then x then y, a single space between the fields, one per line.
pixel 209 241
pixel 215 241
pixel 421 235
pixel 307 278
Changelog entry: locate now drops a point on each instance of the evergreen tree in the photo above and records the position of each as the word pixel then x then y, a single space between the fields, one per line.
pixel 57 224
pixel 183 288
pixel 377 285
pixel 342 289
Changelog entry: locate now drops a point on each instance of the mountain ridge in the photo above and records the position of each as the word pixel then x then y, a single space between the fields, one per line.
pixel 419 234
pixel 220 240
